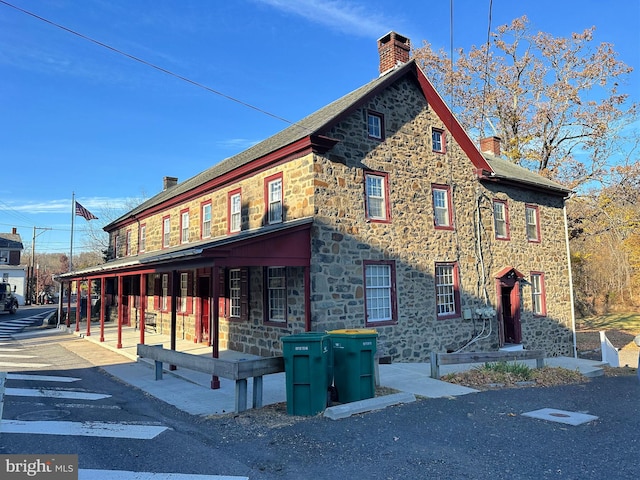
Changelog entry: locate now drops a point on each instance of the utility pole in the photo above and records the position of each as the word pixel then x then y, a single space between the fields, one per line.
pixel 30 285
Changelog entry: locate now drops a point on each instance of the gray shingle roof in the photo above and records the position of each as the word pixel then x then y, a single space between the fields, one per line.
pixel 315 123
pixel 11 240
pixel 503 169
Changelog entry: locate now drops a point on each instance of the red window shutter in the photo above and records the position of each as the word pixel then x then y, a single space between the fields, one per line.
pixel 157 291
pixel 223 305
pixel 244 294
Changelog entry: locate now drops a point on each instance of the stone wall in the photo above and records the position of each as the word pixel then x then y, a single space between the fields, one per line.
pixel 343 238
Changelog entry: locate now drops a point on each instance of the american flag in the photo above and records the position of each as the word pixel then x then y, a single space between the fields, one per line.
pixel 83 212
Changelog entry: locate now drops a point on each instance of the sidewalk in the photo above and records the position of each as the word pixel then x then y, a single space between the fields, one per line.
pixel 191 392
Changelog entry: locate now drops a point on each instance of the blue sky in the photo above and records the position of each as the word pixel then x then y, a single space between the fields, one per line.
pixel 77 117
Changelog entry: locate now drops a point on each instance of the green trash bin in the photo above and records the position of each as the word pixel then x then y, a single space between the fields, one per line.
pixel 307 365
pixel 353 363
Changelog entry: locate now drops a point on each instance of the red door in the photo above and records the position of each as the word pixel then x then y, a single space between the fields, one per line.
pixel 205 310
pixel 509 294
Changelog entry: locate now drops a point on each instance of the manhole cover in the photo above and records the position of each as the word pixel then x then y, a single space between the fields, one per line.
pixel 561 416
pixel 44 415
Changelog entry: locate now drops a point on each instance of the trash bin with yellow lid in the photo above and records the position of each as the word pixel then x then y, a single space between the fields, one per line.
pixel 307 365
pixel 353 363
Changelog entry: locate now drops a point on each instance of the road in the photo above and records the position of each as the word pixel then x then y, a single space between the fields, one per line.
pixel 57 402
pixel 478 436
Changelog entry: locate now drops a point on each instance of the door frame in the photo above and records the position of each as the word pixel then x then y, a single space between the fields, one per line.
pixel 509 281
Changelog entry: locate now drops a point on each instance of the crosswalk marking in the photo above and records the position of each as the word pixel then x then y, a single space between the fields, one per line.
pixel 32 392
pixel 23 365
pixel 41 378
pixel 9 355
pixel 86 474
pixel 84 429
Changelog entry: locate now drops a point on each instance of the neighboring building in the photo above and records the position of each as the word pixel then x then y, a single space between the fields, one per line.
pixel 376 211
pixel 10 269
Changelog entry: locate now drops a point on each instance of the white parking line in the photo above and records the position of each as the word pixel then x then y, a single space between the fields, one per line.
pixel 41 378
pixel 84 474
pixel 33 392
pixel 8 355
pixel 23 365
pixel 84 429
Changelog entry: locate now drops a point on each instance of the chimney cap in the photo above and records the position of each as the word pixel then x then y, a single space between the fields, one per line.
pixel 393 50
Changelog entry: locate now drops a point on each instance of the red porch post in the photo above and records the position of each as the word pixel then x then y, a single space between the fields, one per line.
pixel 175 286
pixel 78 288
pixel 143 304
pixel 69 305
pixel 120 310
pixel 103 285
pixel 88 332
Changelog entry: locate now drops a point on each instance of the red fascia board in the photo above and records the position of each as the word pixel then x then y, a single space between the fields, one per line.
pixel 446 115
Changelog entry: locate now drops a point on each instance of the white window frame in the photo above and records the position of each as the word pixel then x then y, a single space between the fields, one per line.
pixel 274 188
pixel 142 241
pixel 184 227
pixel 277 294
pixel 234 293
pixel 117 246
pixel 442 217
pixel 164 303
pixel 447 290
pixel 538 300
pixel 437 140
pixel 501 219
pixel 166 232
pixel 235 212
pixel 379 292
pixel 376 196
pixel 128 244
pixel 206 220
pixel 184 291
pixel 375 125
pixel 532 219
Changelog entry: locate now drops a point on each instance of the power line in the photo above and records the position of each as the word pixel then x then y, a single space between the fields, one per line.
pixel 148 64
pixel 486 75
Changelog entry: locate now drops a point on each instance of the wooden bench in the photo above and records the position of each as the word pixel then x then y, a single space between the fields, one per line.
pixel 439 359
pixel 150 322
pixel 237 370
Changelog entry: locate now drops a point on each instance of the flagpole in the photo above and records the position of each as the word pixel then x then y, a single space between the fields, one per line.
pixel 73 214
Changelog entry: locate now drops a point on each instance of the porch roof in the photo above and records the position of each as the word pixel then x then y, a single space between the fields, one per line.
pixel 284 244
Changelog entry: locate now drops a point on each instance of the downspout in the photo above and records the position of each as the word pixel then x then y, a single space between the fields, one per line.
pixel 571 299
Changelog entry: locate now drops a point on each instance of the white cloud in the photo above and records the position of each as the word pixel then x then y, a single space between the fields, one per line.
pixel 55 206
pixel 345 16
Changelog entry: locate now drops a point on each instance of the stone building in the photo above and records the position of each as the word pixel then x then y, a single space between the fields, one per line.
pixel 376 211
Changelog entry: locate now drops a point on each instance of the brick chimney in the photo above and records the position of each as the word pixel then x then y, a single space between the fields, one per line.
pixel 14 231
pixel 168 182
pixel 491 145
pixel 393 49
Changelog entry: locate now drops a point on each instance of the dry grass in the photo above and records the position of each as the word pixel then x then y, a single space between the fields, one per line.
pixel 483 378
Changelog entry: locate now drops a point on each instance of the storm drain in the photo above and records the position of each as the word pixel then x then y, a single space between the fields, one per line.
pixel 561 416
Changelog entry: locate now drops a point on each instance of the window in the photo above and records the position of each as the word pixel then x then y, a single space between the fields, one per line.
pixel 235 211
pixel 538 300
pixel 437 140
pixel 205 226
pixel 184 291
pixel 276 282
pixel 234 292
pixel 501 219
pixel 164 300
pixel 142 241
pixel 184 226
pixel 117 246
pixel 533 223
pixel 447 290
pixel 376 197
pixel 379 281
pixel 273 195
pixel 166 231
pixel 442 212
pixel 4 256
pixel 375 125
